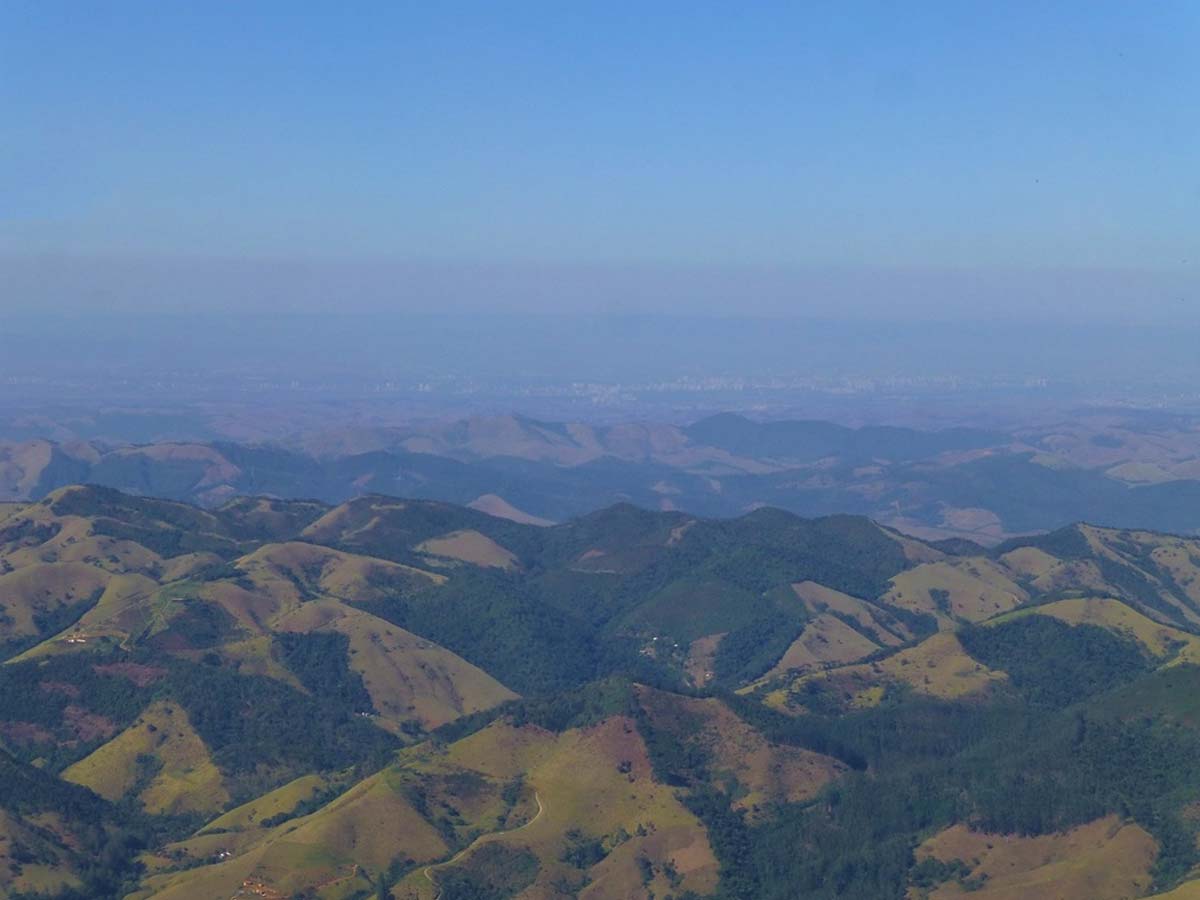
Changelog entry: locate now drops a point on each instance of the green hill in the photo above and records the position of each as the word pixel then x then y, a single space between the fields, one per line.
pixel 413 699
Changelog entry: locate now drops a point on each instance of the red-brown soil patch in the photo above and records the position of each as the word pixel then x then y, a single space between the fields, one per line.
pixel 59 687
pixel 142 676
pixel 87 726
pixel 24 733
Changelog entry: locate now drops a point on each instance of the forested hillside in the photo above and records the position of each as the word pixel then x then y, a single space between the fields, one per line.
pixel 957 482
pixel 413 699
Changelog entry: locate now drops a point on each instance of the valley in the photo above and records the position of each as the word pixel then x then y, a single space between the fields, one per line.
pixel 1120 468
pixel 411 699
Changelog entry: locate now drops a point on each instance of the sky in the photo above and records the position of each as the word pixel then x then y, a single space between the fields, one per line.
pixel 942 158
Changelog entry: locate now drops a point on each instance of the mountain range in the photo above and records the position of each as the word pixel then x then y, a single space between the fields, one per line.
pixel 408 698
pixel 986 485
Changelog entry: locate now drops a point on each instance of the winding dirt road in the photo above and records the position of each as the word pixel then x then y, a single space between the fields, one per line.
pixel 490 836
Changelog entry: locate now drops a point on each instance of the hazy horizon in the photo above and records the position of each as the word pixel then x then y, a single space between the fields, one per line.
pixel 194 285
pixel 861 161
pixel 929 215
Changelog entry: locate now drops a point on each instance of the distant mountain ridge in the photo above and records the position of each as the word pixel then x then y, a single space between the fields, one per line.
pixel 956 483
pixel 809 441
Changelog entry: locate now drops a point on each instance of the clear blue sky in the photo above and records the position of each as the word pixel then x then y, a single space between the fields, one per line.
pixel 1017 135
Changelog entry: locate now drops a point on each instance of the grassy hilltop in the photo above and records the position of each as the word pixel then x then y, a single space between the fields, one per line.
pixel 413 699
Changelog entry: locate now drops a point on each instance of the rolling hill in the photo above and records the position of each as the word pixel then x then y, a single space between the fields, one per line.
pixel 409 698
pixel 986 485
